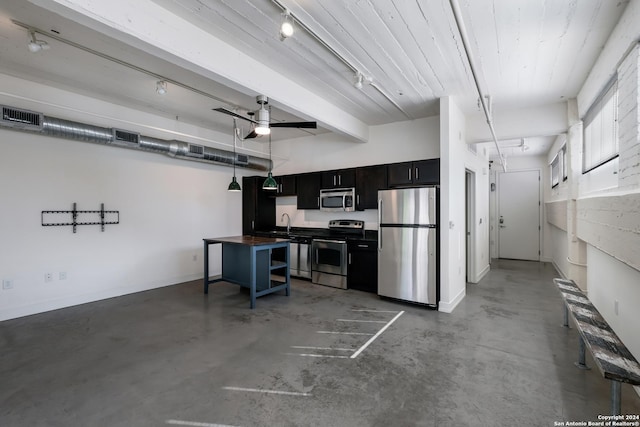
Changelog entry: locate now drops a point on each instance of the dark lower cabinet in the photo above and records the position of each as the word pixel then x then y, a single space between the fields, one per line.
pixel 362 268
pixel 258 206
pixel 308 189
pixel 369 180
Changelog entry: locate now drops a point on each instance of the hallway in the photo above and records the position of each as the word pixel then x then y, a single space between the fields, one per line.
pixel 172 356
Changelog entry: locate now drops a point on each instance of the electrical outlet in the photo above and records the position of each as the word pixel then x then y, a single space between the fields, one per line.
pixel 7 284
pixel 62 275
pixel 615 307
pixel 48 277
pixel 195 258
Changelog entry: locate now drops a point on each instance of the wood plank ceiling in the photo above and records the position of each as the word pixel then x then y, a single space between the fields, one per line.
pixel 529 52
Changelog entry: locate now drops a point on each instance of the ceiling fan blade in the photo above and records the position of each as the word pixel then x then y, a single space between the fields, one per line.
pixel 251 134
pixel 299 125
pixel 231 113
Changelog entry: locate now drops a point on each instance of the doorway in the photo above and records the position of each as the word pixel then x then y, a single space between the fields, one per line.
pixel 519 215
pixel 470 205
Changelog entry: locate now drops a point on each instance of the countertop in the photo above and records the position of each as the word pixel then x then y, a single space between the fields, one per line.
pixel 247 240
pixel 318 233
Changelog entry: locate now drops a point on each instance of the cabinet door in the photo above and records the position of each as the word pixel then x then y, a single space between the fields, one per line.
pixel 400 174
pixel 342 178
pixel 309 191
pixel 286 185
pixel 426 172
pixel 369 180
pixel 328 179
pixel 258 207
pixel 362 270
pixel 346 178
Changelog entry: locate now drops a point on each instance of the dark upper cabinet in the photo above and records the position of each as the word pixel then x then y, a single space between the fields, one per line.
pixel 343 178
pixel 258 206
pixel 369 180
pixel 286 185
pixel 423 172
pixel 362 266
pixel 308 190
pixel 427 172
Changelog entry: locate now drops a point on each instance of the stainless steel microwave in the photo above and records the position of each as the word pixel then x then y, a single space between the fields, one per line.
pixel 338 200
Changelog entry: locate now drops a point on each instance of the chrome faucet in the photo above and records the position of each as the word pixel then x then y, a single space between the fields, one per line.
pixel 288 221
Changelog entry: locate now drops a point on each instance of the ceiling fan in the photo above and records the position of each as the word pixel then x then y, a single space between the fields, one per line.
pixel 261 119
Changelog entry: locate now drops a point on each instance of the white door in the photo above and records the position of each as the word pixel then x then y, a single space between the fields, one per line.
pixel 519 215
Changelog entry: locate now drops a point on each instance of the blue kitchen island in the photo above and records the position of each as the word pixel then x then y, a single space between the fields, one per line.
pixel 247 261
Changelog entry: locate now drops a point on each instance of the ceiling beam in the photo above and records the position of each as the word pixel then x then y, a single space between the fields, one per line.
pixel 146 26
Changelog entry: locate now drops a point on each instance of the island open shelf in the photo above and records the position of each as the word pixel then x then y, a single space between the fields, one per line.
pixel 247 261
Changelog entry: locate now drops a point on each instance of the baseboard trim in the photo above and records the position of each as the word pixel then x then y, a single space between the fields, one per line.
pixel 73 300
pixel 483 273
pixel 448 307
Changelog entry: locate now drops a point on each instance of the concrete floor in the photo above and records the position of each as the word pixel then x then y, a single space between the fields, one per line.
pixel 168 357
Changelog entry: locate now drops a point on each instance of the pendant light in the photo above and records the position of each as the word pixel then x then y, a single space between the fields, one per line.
pixel 234 186
pixel 270 183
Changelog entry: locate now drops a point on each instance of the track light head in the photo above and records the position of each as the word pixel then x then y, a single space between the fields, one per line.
pixel 161 87
pixel 286 27
pixel 358 80
pixel 36 45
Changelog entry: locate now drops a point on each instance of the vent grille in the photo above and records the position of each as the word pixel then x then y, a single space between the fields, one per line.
pixel 120 135
pixel 196 150
pixel 23 119
pixel 242 159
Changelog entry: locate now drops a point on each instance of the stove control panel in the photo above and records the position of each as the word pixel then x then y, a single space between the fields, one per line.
pixel 346 224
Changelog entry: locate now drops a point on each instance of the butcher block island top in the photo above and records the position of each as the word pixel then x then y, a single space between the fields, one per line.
pixel 247 261
pixel 247 240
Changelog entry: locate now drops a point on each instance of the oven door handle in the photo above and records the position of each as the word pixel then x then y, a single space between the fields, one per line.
pixel 330 241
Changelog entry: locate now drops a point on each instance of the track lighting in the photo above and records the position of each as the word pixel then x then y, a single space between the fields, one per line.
pixel 36 45
pixel 286 28
pixel 161 87
pixel 358 81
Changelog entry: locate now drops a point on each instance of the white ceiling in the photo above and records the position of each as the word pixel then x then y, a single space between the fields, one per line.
pixel 529 53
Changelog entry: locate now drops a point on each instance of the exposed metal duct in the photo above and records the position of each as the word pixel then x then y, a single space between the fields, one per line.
pixel 33 122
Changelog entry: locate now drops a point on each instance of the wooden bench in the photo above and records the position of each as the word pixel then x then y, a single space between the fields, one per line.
pixel 614 360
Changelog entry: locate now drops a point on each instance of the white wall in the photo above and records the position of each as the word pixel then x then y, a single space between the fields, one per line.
pixel 396 142
pixel 452 205
pixel 609 280
pixel 166 207
pixel 391 143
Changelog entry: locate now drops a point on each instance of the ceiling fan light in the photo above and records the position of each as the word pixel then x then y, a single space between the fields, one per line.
pixel 262 129
pixel 262 121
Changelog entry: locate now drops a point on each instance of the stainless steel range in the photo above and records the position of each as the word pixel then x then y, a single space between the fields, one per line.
pixel 329 256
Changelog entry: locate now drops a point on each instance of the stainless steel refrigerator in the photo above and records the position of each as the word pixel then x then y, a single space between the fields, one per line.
pixel 407 244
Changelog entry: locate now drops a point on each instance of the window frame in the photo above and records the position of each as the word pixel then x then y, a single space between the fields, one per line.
pixel 594 114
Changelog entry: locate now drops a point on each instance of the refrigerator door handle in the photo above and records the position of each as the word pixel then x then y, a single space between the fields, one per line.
pixel 379 225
